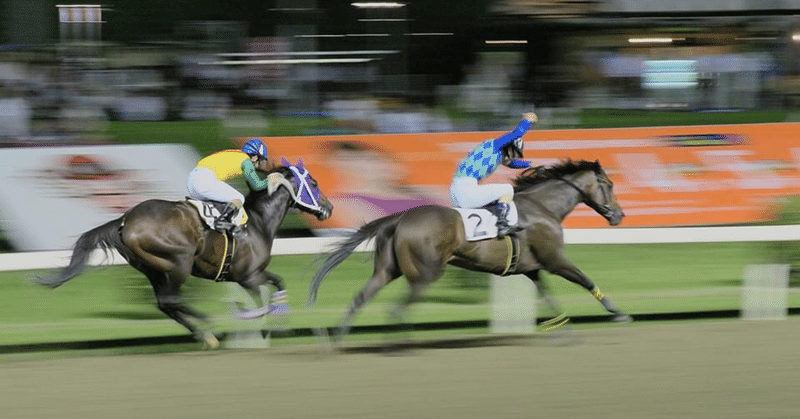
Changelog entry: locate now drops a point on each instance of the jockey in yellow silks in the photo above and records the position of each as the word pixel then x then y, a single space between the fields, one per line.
pixel 215 177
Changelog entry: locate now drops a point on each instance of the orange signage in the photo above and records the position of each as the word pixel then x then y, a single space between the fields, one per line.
pixel 665 176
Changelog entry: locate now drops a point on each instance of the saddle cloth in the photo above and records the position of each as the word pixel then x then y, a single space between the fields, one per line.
pixel 481 224
pixel 209 211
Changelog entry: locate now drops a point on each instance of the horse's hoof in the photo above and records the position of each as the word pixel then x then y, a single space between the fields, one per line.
pixel 324 340
pixel 210 341
pixel 622 318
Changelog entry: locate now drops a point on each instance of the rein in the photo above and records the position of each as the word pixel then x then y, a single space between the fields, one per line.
pixel 278 181
pixel 583 193
pixel 588 199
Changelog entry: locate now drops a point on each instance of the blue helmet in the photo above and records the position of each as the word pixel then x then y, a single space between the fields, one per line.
pixel 255 147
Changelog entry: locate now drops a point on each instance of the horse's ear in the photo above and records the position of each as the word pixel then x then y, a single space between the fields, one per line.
pixel 285 162
pixel 300 163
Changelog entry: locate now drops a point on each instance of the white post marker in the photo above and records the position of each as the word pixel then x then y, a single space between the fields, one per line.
pixel 513 304
pixel 246 334
pixel 765 292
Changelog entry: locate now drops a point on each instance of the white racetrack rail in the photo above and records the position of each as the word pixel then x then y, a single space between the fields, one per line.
pixel 317 245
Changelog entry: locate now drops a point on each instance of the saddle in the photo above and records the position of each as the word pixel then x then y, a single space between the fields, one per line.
pixel 210 211
pixel 481 223
pixel 222 250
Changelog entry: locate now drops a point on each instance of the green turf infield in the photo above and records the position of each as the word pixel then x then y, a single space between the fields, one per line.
pixel 116 302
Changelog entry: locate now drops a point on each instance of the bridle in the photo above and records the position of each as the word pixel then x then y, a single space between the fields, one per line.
pixel 304 189
pixel 604 209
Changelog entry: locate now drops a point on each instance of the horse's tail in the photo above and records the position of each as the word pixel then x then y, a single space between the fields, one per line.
pixel 380 228
pixel 106 237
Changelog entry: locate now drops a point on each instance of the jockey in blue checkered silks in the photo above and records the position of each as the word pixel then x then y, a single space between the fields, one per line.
pixel 482 161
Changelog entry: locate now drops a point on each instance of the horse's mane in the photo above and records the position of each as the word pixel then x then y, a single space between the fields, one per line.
pixel 536 175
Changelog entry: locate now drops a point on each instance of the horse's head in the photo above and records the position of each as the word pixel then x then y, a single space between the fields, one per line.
pixel 587 177
pixel 598 194
pixel 305 191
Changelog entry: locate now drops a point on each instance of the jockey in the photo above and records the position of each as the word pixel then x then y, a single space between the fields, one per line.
pixel 212 178
pixel 482 161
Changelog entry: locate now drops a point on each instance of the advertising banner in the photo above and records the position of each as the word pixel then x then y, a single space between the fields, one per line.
pixel 663 176
pixel 51 195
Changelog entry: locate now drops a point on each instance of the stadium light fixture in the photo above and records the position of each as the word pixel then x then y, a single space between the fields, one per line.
pixel 367 35
pixel 384 20
pixel 319 36
pixel 430 33
pixel 378 5
pixel 80 13
pixel 650 40
pixel 308 53
pixel 508 41
pixel 291 61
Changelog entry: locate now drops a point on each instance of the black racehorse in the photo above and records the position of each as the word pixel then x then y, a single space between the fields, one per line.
pixel 419 242
pixel 168 241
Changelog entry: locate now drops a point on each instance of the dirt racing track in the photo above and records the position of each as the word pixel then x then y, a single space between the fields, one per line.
pixel 725 369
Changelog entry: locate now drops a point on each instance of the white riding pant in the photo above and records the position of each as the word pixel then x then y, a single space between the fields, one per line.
pixel 465 192
pixel 204 185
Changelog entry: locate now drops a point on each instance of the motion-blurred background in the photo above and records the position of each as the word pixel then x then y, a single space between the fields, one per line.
pixel 692 108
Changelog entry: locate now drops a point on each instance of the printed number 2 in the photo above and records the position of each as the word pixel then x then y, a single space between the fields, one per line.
pixel 477 230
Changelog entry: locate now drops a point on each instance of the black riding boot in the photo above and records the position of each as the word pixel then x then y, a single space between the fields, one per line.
pixel 503 229
pixel 224 222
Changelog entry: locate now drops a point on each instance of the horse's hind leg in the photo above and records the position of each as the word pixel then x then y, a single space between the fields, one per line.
pixel 378 280
pixel 558 325
pixel 422 264
pixel 171 304
pixel 397 317
pixel 559 316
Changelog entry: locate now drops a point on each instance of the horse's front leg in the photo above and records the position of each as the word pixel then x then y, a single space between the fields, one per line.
pixel 278 303
pixel 565 269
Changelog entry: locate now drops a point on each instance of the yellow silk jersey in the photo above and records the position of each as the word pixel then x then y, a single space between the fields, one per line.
pixel 226 164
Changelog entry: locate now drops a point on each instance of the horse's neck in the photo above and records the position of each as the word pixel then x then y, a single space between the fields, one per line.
pixel 557 196
pixel 268 212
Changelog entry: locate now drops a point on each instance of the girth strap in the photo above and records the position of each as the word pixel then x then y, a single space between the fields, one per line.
pixel 227 257
pixel 512 243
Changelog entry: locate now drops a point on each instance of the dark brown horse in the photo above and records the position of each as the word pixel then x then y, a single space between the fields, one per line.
pixel 419 242
pixel 168 241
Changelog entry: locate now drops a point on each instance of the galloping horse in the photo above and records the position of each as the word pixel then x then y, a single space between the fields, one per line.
pixel 419 242
pixel 168 241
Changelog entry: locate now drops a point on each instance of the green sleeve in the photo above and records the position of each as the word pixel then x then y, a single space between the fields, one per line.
pixel 255 182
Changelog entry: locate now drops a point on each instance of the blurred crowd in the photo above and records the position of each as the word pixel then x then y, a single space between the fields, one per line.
pixel 53 97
